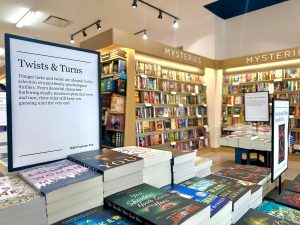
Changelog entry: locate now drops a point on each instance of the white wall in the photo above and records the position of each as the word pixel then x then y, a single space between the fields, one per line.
pixel 272 28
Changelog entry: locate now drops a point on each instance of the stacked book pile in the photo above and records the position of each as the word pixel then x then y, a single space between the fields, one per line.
pixel 220 207
pixel 149 205
pixel 120 171
pixel 20 203
pixel 183 165
pixel 69 188
pixel 4 164
pixel 237 193
pixel 260 171
pixel 97 216
pixel 3 141
pixel 291 195
pixel 157 165
pixel 202 166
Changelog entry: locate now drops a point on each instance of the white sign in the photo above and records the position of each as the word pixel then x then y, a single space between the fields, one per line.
pixel 3 109
pixel 54 94
pixel 280 137
pixel 257 107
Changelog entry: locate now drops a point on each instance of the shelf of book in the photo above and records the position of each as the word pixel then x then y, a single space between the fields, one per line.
pixel 281 83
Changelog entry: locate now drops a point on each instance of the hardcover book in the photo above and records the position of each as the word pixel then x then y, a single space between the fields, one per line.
pixel 53 176
pixel 290 199
pixel 252 169
pixel 15 191
pixel 216 202
pixel 103 161
pixel 150 205
pixel 280 211
pixel 97 216
pixel 294 186
pixel 254 217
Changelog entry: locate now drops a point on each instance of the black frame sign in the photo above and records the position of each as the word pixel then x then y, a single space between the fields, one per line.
pixel 257 106
pixel 53 101
pixel 280 136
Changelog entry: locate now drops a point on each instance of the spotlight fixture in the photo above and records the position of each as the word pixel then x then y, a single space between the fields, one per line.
pixel 160 14
pixel 134 4
pixel 84 33
pixel 72 40
pixel 145 37
pixel 98 25
pixel 175 24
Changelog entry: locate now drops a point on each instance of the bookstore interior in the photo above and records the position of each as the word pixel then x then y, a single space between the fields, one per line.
pixel 103 124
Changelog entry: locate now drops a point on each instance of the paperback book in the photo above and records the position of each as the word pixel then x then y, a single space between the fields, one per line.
pixel 97 216
pixel 150 205
pixel 290 199
pixel 254 217
pixel 280 211
pixel 216 202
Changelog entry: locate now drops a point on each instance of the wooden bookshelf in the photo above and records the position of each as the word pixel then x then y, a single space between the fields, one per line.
pixel 190 97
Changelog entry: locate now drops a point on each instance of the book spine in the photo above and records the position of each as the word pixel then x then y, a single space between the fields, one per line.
pixel 127 213
pixel 85 165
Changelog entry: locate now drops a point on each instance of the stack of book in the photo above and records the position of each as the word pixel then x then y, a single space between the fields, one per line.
pixel 202 166
pixel 20 203
pixel 69 188
pixel 220 207
pixel 3 141
pixel 149 205
pixel 157 165
pixel 97 216
pixel 238 194
pixel 261 171
pixel 4 164
pixel 120 171
pixel 253 217
pixel 280 211
pixel 183 165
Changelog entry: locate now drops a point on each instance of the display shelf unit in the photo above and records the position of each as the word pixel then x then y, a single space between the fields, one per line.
pixel 281 83
pixel 159 83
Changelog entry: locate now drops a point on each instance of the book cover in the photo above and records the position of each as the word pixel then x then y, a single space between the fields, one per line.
pixel 53 176
pixel 251 169
pixel 293 186
pixel 254 217
pixel 15 191
pixel 148 204
pixel 216 202
pixel 101 161
pixel 97 216
pixel 238 175
pixel 281 138
pixel 280 211
pixel 215 185
pixel 290 199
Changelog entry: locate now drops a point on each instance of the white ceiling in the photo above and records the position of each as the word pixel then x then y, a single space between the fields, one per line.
pixel 113 14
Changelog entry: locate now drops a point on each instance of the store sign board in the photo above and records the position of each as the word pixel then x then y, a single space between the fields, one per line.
pixel 280 137
pixel 3 109
pixel 182 55
pixel 257 107
pixel 53 101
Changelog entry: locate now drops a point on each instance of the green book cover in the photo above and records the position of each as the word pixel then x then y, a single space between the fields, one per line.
pixel 152 205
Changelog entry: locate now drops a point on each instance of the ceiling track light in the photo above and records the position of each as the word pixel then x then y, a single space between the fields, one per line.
pixel 145 36
pixel 134 4
pixel 72 40
pixel 83 30
pixel 175 24
pixel 160 12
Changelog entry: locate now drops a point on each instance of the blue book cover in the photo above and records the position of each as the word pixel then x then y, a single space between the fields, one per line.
pixel 50 177
pixel 97 216
pixel 216 202
pixel 280 211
